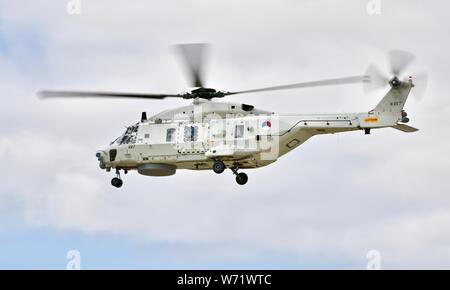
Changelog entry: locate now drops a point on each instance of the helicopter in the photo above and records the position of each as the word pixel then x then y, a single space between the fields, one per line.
pixel 213 135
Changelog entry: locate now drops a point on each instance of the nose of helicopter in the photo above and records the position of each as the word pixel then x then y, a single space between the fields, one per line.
pixel 101 157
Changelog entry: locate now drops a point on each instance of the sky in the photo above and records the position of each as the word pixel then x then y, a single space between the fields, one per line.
pixel 325 205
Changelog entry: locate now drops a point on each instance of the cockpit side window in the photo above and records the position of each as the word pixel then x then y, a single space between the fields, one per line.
pixel 129 137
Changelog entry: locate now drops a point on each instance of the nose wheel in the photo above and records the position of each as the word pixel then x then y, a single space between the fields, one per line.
pixel 116 181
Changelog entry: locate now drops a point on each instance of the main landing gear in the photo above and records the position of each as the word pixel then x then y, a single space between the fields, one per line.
pixel 116 181
pixel 241 177
pixel 219 167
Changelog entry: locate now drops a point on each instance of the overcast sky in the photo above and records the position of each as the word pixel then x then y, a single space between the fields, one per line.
pixel 325 205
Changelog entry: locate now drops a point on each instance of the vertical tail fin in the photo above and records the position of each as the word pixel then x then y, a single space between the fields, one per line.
pixel 395 99
pixel 389 111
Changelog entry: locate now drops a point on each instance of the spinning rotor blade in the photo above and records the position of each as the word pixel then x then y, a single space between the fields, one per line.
pixel 377 79
pixel 329 82
pixel 76 94
pixel 399 60
pixel 420 85
pixel 193 56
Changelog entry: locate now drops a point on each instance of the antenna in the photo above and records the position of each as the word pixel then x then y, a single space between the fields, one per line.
pixel 143 117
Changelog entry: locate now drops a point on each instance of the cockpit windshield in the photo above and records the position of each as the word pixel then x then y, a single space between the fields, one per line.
pixel 128 137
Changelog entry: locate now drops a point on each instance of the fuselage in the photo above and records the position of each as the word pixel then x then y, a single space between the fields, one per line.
pixel 194 136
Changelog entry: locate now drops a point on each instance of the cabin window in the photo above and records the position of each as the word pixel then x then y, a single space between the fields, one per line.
pixel 170 136
pixel 239 131
pixel 146 136
pixel 190 133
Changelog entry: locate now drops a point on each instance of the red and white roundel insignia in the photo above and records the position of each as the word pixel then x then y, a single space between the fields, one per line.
pixel 266 125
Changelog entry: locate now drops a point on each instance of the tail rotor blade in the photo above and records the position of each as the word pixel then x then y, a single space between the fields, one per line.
pixel 420 81
pixel 399 60
pixel 193 56
pixel 377 80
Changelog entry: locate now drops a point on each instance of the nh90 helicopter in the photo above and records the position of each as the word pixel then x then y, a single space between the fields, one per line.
pixel 210 135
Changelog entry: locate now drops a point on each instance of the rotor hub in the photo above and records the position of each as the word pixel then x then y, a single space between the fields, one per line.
pixel 395 82
pixel 204 93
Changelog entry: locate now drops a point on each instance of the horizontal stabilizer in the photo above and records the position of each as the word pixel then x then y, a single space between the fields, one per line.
pixel 405 128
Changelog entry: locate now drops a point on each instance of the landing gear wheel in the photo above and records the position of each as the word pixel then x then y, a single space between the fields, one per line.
pixel 241 178
pixel 218 167
pixel 116 182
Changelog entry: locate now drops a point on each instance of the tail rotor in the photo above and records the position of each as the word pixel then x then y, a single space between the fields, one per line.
pixel 398 62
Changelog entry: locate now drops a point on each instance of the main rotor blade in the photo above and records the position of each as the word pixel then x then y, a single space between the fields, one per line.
pixel 78 94
pixel 399 60
pixel 193 56
pixel 329 82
